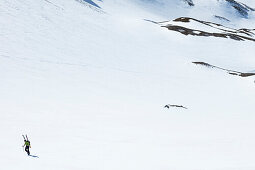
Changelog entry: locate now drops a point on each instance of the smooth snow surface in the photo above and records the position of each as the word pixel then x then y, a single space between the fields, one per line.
pixel 88 85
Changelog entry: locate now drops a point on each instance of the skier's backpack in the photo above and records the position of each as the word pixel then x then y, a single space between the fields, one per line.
pixel 27 143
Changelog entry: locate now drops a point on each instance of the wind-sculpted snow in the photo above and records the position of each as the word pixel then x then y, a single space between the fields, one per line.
pixel 195 27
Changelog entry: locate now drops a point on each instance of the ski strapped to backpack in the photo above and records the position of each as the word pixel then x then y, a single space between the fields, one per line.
pixel 27 142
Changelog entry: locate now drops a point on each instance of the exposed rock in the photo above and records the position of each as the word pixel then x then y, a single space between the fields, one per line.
pixel 220 30
pixel 189 2
pixel 221 18
pixel 232 72
pixel 173 105
pixel 242 9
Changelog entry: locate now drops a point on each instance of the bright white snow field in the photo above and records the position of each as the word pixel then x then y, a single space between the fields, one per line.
pixel 88 86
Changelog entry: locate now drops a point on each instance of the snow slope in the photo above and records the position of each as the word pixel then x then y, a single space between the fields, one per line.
pixel 88 85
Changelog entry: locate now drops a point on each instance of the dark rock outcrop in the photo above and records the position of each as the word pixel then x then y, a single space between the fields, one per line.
pixel 173 105
pixel 221 18
pixel 242 9
pixel 225 32
pixel 189 2
pixel 232 72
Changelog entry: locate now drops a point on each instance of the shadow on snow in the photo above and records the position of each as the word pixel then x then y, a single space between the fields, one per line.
pixel 34 156
pixel 92 3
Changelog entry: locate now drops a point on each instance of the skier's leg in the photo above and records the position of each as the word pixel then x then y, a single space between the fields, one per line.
pixel 27 150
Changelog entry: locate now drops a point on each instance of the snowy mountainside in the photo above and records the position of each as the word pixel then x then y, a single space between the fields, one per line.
pixel 88 82
pixel 225 8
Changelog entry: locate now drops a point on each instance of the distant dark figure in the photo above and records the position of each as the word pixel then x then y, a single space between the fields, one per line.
pixel 180 106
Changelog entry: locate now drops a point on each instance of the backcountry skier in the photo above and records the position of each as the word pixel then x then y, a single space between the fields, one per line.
pixel 27 144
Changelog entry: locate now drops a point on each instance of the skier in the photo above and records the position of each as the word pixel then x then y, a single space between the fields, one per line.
pixel 27 144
